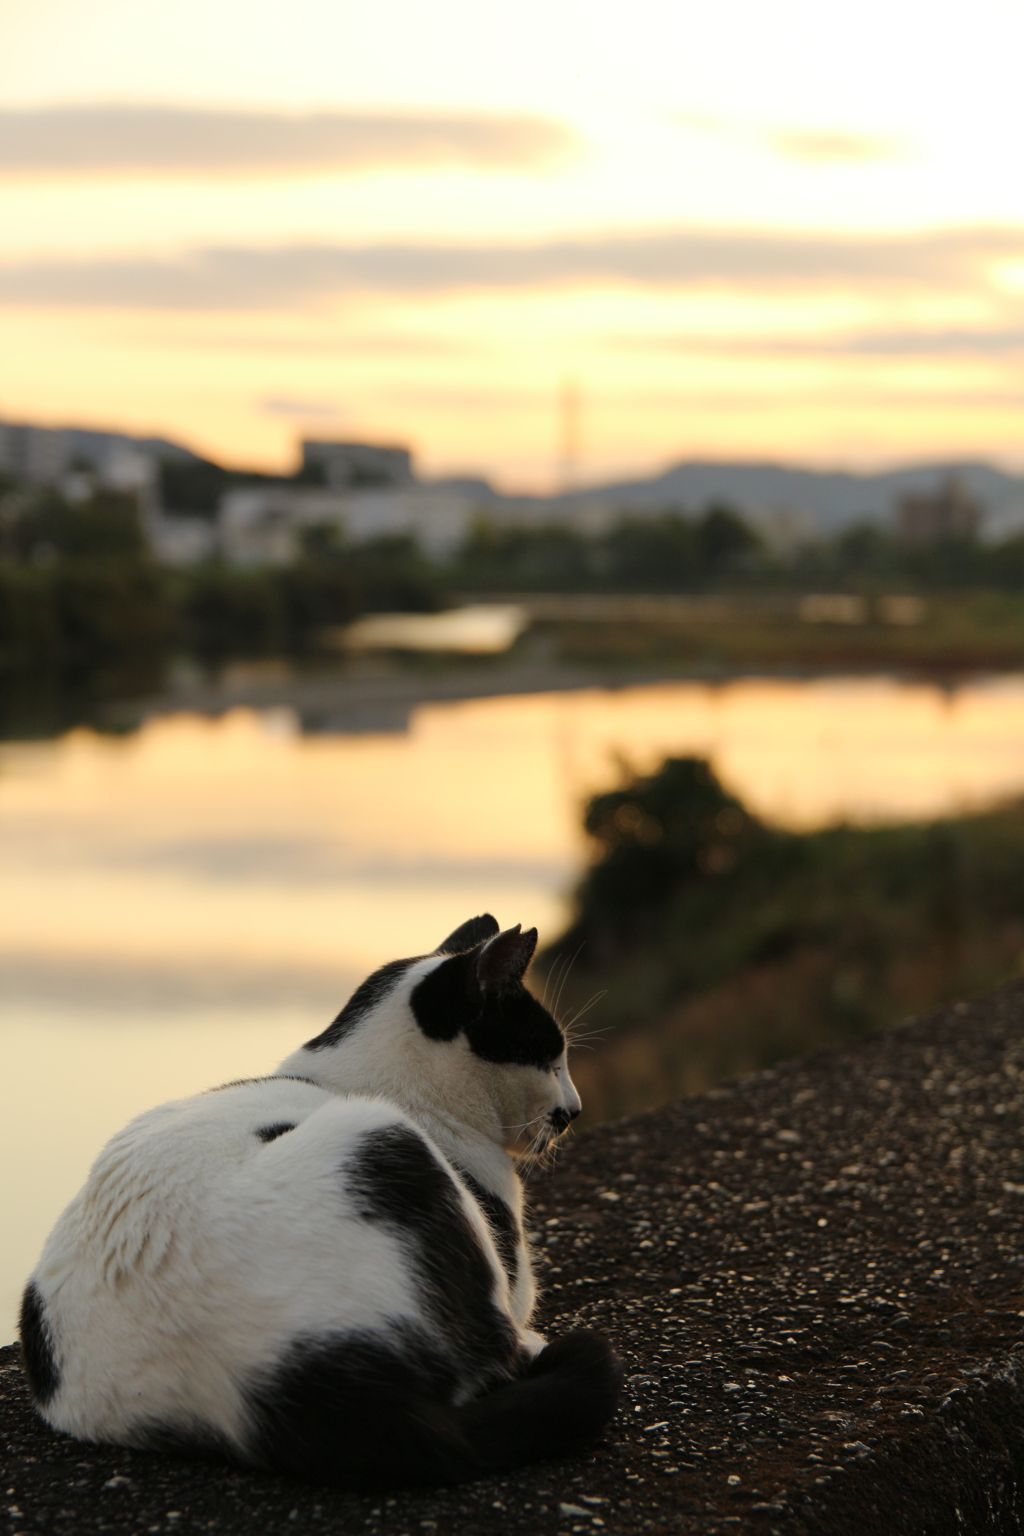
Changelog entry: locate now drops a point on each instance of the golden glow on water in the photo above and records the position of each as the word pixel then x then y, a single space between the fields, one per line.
pixel 188 903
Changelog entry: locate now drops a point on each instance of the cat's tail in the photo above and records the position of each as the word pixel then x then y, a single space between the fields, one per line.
pixel 365 1422
pixel 559 1407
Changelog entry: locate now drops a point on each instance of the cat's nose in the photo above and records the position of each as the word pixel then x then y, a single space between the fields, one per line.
pixel 561 1117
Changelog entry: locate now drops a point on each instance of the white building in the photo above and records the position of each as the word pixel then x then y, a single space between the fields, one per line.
pixel 178 540
pixel 35 455
pixel 263 525
pixel 351 466
pixel 76 460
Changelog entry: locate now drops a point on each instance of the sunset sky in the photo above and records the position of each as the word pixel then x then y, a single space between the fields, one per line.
pixel 792 231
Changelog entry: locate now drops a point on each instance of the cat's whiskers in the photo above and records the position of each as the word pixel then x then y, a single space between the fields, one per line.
pixel 568 969
pixel 543 1139
pixel 549 978
pixel 531 1151
pixel 525 1124
pixel 568 1029
pixel 582 1042
pixel 544 1154
pixel 556 980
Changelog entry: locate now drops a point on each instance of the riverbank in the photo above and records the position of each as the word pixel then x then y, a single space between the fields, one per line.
pixel 708 940
pixel 572 641
pixel 813 1278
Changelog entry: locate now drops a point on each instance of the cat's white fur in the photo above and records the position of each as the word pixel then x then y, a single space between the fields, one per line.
pixel 195 1253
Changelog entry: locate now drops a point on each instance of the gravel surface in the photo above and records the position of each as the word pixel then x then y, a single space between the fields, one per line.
pixel 813 1277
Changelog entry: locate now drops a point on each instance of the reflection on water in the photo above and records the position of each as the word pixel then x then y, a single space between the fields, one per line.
pixel 223 883
pixel 480 629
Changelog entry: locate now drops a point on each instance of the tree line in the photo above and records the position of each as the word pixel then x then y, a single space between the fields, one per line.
pixel 86 613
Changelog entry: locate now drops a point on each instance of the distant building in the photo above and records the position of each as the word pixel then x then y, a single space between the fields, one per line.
pixel 784 529
pixel 34 455
pixel 61 456
pixel 947 513
pixel 264 524
pixel 177 540
pixel 344 466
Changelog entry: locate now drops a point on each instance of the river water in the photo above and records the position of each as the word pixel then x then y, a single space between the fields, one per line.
pixel 186 904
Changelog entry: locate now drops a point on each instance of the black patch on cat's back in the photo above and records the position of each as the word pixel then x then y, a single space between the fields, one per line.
pixel 395 1179
pixel 503 1225
pixel 193 1441
pixel 37 1349
pixel 363 1000
pixel 361 1410
pixel 272 1132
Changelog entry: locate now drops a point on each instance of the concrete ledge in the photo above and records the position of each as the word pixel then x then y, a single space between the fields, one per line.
pixel 815 1280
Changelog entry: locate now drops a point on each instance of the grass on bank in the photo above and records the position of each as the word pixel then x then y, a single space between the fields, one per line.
pixel 959 632
pixel 717 945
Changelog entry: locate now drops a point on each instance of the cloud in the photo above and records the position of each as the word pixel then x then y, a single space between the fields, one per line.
pixel 314 341
pixel 183 140
pixel 813 146
pixel 125 986
pixel 256 278
pixel 936 343
pixel 947 343
pixel 829 147
pixel 283 407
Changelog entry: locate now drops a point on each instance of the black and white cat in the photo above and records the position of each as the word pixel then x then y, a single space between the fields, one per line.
pixel 324 1272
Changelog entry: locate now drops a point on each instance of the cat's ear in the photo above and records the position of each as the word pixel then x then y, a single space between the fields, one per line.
pixel 450 996
pixel 468 935
pixel 503 959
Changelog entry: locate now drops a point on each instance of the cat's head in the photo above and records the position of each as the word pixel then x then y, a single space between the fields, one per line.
pixel 456 1032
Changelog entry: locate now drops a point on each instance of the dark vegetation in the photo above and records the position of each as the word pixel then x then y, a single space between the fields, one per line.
pixel 194 487
pixel 673 552
pixel 220 613
pixel 666 552
pixel 87 617
pixel 82 610
pixel 719 944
